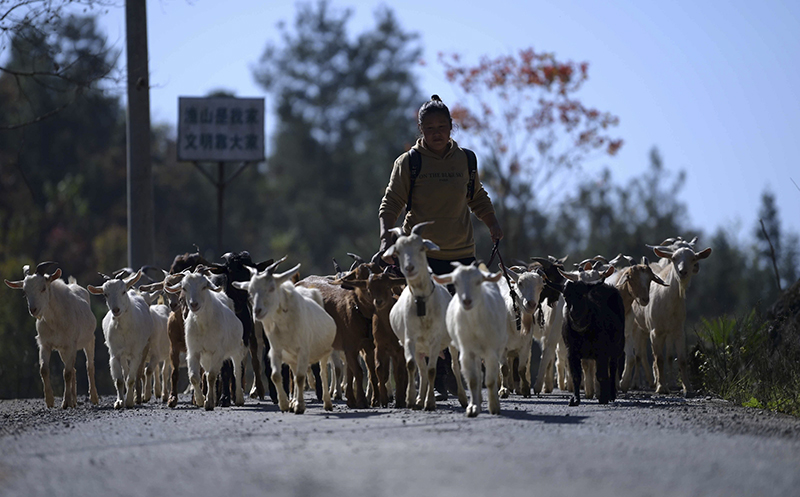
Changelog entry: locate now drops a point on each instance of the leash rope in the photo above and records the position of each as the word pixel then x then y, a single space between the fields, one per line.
pixel 496 252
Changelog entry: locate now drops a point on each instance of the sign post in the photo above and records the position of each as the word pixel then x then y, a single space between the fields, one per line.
pixel 221 130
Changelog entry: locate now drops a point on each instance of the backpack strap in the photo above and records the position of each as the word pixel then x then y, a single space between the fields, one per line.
pixel 414 164
pixel 472 167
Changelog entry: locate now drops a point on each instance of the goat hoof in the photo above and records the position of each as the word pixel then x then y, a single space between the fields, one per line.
pixel 503 393
pixel 472 411
pixel 172 402
pixel 574 402
pixel 225 402
pixel 118 404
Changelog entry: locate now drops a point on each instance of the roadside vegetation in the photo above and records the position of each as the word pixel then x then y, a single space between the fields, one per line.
pixel 752 360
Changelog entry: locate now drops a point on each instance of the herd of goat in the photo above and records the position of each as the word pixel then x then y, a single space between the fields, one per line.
pixel 594 322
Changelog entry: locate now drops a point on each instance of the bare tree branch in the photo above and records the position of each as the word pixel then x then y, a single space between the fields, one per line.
pixel 41 117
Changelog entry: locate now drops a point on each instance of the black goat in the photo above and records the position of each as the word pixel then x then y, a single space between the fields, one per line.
pixel 236 268
pixel 594 328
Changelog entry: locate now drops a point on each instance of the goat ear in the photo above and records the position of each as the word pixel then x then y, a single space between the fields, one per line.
pixel 285 276
pixel 657 278
pixel 512 274
pixel 173 289
pixel 662 253
pixel 429 245
pixel 95 290
pixel 396 282
pixel 349 276
pixel 57 274
pixel 16 285
pixel 262 265
pixel 569 276
pixel 444 279
pixel 388 254
pixel 349 284
pixel 702 254
pixel 133 279
pixel 609 272
pixel 241 285
pixel 217 268
pixel 493 277
pixel 153 287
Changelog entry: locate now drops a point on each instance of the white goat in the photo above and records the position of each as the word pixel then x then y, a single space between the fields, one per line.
pixel 127 327
pixel 665 315
pixel 418 319
pixel 477 319
pixel 213 334
pixel 158 368
pixel 528 288
pixel 299 331
pixel 65 323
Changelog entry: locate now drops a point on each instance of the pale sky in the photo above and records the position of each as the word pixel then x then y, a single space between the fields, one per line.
pixel 714 85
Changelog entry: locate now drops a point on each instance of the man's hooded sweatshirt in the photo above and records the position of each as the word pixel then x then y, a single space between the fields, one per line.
pixel 440 195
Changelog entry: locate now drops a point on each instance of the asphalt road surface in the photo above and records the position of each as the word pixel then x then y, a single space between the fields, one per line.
pixel 642 445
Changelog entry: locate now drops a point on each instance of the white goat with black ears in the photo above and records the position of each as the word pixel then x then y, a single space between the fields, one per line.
pixel 213 334
pixel 418 318
pixel 127 327
pixel 477 319
pixel 64 322
pixel 299 331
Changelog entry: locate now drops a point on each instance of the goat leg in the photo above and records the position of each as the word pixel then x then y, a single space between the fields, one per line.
pixel 576 372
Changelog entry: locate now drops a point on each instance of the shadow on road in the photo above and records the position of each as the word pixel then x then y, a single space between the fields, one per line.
pixel 566 419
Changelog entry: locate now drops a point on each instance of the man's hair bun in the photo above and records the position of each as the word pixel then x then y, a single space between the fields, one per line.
pixel 436 98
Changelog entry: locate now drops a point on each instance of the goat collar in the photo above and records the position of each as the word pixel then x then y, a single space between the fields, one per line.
pixel 420 300
pixel 425 297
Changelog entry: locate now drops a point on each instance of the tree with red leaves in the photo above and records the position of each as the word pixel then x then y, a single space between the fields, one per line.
pixel 530 126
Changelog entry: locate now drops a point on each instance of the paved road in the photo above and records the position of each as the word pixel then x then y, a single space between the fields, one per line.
pixel 642 445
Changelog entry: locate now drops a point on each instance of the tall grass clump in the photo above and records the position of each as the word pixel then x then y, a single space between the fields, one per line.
pixel 751 361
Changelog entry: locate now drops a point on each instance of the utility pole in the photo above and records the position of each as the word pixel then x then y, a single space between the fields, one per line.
pixel 141 218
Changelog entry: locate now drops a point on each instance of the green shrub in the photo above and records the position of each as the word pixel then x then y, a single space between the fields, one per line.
pixel 750 361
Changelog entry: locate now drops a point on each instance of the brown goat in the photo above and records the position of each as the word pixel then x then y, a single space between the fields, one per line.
pixel 380 289
pixel 633 283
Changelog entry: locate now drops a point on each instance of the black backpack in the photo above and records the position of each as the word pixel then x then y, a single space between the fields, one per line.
pixel 415 164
